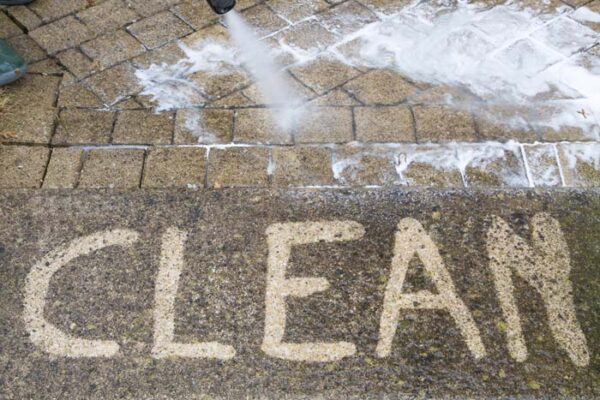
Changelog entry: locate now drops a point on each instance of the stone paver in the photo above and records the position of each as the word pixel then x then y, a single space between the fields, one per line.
pixel 543 165
pixel 51 10
pixel 580 164
pixel 159 29
pixel 175 167
pixel 84 127
pixel 147 8
pixel 216 86
pixel 443 124
pixel 495 166
pixel 296 11
pixel 206 126
pixel 143 127
pixel 326 125
pixel 380 87
pixel 22 167
pixel 113 48
pixel 27 48
pixel 385 124
pixel 7 27
pixel 364 166
pixel 64 168
pixel 346 18
pixel 27 112
pixel 307 35
pixel 195 14
pixel 263 20
pixel 25 17
pixel 238 166
pixel 336 97
pixel 107 15
pixel 77 63
pixel 61 34
pixel 115 83
pixel 495 129
pixel 302 166
pixel 430 166
pixel 104 168
pixel 77 95
pixel 324 74
pixel 258 125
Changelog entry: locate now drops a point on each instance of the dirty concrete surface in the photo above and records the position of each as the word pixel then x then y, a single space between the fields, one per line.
pixel 109 294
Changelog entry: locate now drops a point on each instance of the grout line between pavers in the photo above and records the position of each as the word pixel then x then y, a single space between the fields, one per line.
pixel 116 115
pixel 179 18
pixel 353 115
pixel 46 168
pixel 414 123
pixel 270 167
pixel 42 19
pixel 233 126
pixel 22 27
pixel 476 127
pixel 206 166
pixel 173 126
pixel 310 144
pixel 559 164
pixel 56 118
pixel 526 166
pixel 143 171
pixel 82 160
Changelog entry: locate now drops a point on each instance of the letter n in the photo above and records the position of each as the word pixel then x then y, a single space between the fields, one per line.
pixel 545 265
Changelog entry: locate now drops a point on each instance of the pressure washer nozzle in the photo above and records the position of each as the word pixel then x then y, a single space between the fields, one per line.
pixel 221 6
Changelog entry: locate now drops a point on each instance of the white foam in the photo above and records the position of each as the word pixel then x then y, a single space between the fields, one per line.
pixel 584 14
pixel 542 164
pixel 505 56
pixel 444 157
pixel 193 124
pixel 586 152
pixel 170 86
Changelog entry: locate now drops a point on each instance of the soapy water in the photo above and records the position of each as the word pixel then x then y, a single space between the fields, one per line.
pixel 170 86
pixel 504 56
pixel 457 157
pixel 535 64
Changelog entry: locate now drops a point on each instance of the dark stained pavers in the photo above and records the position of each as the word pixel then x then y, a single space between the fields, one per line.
pixel 293 294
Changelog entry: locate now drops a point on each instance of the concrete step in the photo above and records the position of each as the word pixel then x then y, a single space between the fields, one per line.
pixel 252 293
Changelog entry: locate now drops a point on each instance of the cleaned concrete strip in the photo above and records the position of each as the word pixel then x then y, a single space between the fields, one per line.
pixel 299 294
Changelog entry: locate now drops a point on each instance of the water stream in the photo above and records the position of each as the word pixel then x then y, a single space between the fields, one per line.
pixel 256 57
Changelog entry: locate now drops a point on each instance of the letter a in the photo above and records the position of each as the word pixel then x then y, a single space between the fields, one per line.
pixel 43 333
pixel 410 239
pixel 545 266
